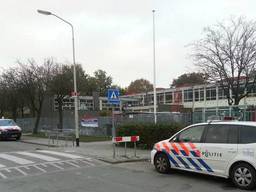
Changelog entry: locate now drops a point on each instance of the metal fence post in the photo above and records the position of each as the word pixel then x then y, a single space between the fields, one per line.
pixel 135 147
pixel 114 150
pixel 125 149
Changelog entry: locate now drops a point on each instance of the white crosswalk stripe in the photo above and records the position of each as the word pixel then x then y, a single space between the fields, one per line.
pixel 27 163
pixel 22 172
pixel 54 165
pixel 40 168
pixel 15 159
pixel 73 164
pixel 67 155
pixel 38 156
pixel 3 176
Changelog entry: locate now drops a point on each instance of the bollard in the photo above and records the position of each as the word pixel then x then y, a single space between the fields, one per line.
pixel 125 149
pixel 114 150
pixel 135 147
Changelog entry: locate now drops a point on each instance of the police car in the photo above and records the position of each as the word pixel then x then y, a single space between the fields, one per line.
pixel 9 129
pixel 224 148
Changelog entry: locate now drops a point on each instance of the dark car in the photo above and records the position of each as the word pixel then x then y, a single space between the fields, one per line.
pixel 9 129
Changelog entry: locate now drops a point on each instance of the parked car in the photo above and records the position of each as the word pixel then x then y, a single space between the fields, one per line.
pixel 224 148
pixel 9 129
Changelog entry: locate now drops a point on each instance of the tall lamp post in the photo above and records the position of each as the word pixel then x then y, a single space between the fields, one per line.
pixel 154 66
pixel 74 71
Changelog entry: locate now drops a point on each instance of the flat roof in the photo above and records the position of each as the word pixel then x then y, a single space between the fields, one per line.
pixel 247 123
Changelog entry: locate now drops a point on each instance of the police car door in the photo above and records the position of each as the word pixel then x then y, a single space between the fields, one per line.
pixel 185 148
pixel 219 147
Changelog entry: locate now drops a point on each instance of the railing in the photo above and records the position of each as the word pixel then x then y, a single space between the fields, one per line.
pixel 61 134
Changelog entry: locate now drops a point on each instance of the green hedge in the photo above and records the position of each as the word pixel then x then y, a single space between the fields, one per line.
pixel 149 133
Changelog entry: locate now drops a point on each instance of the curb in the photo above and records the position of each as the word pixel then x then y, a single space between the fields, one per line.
pixel 122 161
pixel 42 144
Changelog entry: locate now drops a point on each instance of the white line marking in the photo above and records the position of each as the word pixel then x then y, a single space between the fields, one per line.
pixel 22 172
pixel 8 170
pixel 2 166
pixel 44 165
pixel 73 164
pixel 88 159
pixel 27 167
pixel 14 159
pixel 86 162
pixel 39 168
pixel 67 155
pixel 38 156
pixel 54 165
pixel 3 176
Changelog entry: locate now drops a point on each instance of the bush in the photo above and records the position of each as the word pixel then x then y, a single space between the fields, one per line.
pixel 149 133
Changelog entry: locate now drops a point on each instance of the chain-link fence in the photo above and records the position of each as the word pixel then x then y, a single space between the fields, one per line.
pixel 104 124
pixel 241 113
pixel 162 117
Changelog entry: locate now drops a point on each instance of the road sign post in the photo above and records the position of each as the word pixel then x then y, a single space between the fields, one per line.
pixel 113 98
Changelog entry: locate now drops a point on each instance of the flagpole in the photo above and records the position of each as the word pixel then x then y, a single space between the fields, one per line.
pixel 154 66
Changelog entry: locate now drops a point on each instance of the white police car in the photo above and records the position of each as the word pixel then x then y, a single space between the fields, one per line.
pixel 9 129
pixel 225 149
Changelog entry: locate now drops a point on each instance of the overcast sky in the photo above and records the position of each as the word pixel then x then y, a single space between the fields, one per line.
pixel 113 35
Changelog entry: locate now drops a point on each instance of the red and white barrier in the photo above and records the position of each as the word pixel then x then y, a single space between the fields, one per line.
pixel 125 139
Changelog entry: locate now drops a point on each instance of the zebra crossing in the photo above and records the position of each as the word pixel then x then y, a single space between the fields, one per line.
pixel 27 163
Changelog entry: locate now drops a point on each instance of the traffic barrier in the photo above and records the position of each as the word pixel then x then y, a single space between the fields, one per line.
pixel 125 140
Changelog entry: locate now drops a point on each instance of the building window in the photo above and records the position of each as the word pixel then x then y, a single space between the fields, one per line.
pixel 196 94
pixel 188 95
pixel 221 93
pixel 201 98
pixel 168 97
pixel 149 99
pixel 199 94
pixel 211 93
pixel 160 98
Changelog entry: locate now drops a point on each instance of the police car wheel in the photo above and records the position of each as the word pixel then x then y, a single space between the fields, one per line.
pixel 162 163
pixel 244 176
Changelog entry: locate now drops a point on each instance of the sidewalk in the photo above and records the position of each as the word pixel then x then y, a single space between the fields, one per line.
pixel 102 150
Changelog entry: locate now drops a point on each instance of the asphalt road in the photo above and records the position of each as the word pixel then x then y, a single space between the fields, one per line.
pixel 86 174
pixel 9 146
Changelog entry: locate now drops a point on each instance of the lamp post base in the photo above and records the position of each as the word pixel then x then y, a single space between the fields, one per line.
pixel 77 142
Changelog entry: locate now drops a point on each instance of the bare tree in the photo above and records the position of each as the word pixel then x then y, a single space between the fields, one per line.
pixel 227 54
pixel 34 79
pixel 11 93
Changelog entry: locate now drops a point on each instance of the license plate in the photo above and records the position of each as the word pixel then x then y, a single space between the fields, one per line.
pixel 14 135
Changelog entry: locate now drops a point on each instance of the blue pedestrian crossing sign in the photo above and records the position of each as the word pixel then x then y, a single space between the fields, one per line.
pixel 113 96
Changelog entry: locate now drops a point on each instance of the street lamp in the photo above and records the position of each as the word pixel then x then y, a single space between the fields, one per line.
pixel 74 71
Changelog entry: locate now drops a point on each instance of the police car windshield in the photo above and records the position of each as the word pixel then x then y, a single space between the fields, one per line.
pixel 7 122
